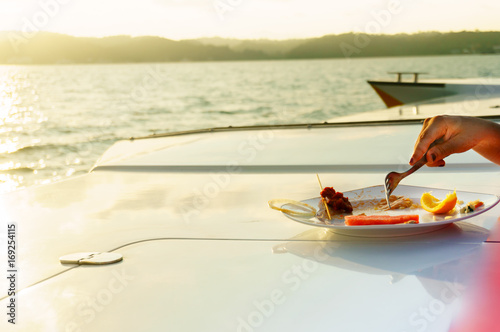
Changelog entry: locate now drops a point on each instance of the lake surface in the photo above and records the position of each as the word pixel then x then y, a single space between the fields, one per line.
pixel 56 121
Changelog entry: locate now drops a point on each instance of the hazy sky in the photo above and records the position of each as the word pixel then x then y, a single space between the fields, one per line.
pixel 275 19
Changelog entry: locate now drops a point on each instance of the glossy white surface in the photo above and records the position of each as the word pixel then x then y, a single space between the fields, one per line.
pixel 293 285
pixel 203 252
pixel 345 149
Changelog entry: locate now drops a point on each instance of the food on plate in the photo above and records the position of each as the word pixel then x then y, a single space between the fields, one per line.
pixel 306 210
pixel 434 205
pixel 397 203
pixel 336 201
pixel 362 220
pixel 471 206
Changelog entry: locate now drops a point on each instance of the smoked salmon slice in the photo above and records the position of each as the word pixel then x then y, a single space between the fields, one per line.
pixel 361 220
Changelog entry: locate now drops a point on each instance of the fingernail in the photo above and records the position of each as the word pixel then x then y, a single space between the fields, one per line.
pixel 433 157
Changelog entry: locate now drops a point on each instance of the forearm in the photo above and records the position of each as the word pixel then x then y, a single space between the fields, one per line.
pixel 489 146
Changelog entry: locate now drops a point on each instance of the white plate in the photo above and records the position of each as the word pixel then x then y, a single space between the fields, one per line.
pixel 364 201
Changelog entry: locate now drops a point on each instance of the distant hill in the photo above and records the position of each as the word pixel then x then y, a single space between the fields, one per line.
pixel 427 43
pixel 50 48
pixel 266 46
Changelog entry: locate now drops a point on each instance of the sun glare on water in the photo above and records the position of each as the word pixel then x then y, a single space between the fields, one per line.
pixel 18 122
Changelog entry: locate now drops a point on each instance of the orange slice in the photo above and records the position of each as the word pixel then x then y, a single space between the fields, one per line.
pixel 432 204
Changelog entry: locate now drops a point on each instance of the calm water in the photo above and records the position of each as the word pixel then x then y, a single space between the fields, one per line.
pixel 57 120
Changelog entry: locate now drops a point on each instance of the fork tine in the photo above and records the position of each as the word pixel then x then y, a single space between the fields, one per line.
pixel 387 198
pixel 388 190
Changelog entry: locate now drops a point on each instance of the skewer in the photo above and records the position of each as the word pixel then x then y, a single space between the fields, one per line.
pixel 324 201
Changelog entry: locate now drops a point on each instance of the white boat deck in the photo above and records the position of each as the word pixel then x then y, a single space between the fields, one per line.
pixel 203 252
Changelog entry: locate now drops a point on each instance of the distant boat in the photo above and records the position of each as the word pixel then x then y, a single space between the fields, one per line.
pixel 400 92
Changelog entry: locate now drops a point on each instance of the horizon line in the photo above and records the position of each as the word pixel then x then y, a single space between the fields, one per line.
pixel 251 39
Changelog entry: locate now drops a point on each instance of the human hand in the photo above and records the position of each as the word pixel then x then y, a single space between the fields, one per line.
pixel 456 134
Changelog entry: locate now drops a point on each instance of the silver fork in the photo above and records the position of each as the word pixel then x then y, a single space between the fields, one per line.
pixel 393 178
